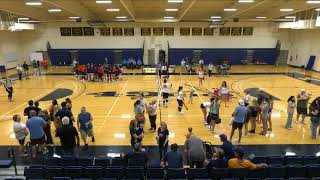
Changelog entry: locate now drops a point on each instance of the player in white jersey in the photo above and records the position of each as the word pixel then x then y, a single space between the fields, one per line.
pixel 201 76
pixel 165 92
pixel 180 99
pixel 204 106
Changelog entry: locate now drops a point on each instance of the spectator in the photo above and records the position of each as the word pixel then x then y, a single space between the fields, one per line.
pixel 302 106
pixel 21 132
pixel 137 157
pixel 210 69
pixel 218 160
pixel 84 124
pixel 173 158
pixel 135 132
pixel 163 139
pixel 27 110
pixel 239 116
pixel 152 112
pixel 38 66
pixel 195 151
pixel 47 129
pixel 25 70
pixel 226 146
pixel 290 111
pixel 183 66
pixel 69 137
pixel 53 109
pixel 38 110
pixel 37 136
pixel 19 71
pixel 139 112
pixel 240 162
pixel 35 68
pixel 65 112
pixel 69 104
pixel 190 133
pixel 265 108
pixel 139 64
pixel 315 117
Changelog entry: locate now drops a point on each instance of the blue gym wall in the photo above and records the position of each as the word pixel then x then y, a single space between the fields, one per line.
pixel 97 56
pixel 234 56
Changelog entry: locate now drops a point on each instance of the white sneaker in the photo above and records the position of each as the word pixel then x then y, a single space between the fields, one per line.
pixel 297 122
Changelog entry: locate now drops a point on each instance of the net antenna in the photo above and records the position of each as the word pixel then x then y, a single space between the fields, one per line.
pixel 159 95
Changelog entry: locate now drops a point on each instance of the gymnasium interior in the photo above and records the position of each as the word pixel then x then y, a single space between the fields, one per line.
pixel 266 47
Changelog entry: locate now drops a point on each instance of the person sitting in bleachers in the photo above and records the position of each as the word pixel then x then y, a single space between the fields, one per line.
pixel 240 162
pixel 137 157
pixel 139 64
pixel 226 146
pixel 218 160
pixel 173 158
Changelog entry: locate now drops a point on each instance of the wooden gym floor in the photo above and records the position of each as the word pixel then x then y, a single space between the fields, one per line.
pixel 112 114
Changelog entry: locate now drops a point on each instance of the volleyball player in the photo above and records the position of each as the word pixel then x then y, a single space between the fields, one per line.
pixel 201 76
pixel 204 107
pixel 180 99
pixel 165 92
pixel 224 93
pixel 8 85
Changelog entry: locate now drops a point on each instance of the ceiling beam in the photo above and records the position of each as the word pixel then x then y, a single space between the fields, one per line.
pixel 127 4
pixel 75 7
pixel 250 8
pixel 297 11
pixel 183 12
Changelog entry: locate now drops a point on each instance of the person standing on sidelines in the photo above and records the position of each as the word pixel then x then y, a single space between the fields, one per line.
pixel 8 85
pixel 37 136
pixel 239 116
pixel 84 124
pixel 214 112
pixel 152 112
pixel 183 66
pixel 35 68
pixel 302 106
pixel 19 71
pixel 69 137
pixel 210 69
pixel 25 70
pixel 265 108
pixel 21 132
pixel 201 76
pixel 165 92
pixel 224 93
pixel 180 99
pixel 163 139
pixel 290 111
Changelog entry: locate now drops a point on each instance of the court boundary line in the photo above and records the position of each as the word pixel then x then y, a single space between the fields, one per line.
pixel 35 98
pixel 114 103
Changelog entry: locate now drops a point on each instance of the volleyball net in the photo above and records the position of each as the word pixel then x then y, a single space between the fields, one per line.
pixel 159 104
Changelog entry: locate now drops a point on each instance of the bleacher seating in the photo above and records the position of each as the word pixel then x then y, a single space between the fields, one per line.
pixel 280 167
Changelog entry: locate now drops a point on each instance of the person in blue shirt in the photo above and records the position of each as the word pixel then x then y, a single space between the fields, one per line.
pixel 239 116
pixel 227 147
pixel 65 112
pixel 173 158
pixel 35 126
pixel 84 124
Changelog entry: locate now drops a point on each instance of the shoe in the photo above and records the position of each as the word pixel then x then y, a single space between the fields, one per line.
pixel 92 139
pixel 150 129
pixel 303 123
pixel 269 129
pixel 297 122
pixel 261 133
pixel 253 131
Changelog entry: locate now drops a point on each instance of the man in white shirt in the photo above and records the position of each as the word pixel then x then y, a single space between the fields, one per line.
pixel 183 65
pixel 165 92
pixel 201 63
pixel 21 132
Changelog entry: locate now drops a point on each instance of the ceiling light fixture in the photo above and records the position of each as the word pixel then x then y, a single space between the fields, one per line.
pixel 103 1
pixel 261 17
pixel 168 17
pixel 290 17
pixel 246 1
pixel 33 3
pixel 175 1
pixel 313 2
pixel 171 9
pixel 230 9
pixel 286 10
pixel 215 17
pixel 23 19
pixel 121 17
pixel 54 10
pixel 74 17
pixel 113 10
